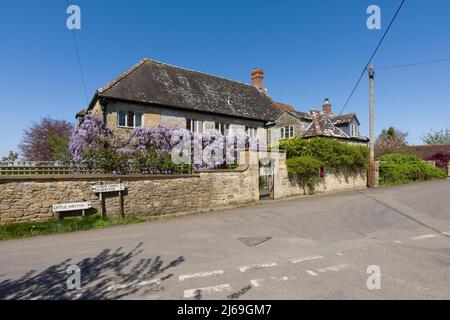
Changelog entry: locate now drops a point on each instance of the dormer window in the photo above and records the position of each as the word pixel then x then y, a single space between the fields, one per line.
pixel 354 131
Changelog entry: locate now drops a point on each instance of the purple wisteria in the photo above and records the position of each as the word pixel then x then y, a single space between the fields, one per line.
pixel 156 150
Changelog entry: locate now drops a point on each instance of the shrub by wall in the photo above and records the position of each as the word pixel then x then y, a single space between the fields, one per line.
pixel 306 156
pixel 406 168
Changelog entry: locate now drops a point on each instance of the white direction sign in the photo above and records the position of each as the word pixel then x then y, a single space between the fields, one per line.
pixel 72 206
pixel 108 188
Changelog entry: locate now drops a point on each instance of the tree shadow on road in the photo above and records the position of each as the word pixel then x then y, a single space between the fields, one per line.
pixel 112 274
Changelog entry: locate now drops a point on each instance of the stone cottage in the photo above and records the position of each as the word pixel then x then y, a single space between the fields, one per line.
pixel 153 93
pixel 315 123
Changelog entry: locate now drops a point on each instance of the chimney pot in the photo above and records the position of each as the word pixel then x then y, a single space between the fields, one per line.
pixel 326 107
pixel 258 78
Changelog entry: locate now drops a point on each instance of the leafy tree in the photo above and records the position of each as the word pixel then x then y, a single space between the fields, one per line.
pixel 12 156
pixel 437 137
pixel 36 142
pixel 60 148
pixel 389 140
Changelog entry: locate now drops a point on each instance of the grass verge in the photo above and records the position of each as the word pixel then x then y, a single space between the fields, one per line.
pixel 54 226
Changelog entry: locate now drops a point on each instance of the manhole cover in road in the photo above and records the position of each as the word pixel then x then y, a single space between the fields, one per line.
pixel 254 241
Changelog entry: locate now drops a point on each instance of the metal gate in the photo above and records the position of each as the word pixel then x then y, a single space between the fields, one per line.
pixel 266 178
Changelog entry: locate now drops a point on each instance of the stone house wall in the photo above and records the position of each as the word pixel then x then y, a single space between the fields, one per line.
pixel 173 118
pixel 287 119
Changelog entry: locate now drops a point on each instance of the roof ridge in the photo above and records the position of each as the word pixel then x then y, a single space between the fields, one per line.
pixel 331 122
pixel 204 73
pixel 124 74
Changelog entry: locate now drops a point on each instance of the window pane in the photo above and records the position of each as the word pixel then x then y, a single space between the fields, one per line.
pixel 130 119
pixel 199 126
pixel 189 124
pixel 291 131
pixel 282 133
pixel 217 126
pixel 138 119
pixel 121 119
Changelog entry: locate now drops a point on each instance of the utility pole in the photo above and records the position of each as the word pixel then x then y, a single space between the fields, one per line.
pixel 372 133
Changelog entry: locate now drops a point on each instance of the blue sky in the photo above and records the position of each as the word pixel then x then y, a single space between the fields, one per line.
pixel 309 50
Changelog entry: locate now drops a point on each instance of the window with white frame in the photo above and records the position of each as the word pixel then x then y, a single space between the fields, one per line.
pixel 251 132
pixel 195 126
pixel 354 130
pixel 129 119
pixel 223 128
pixel 287 132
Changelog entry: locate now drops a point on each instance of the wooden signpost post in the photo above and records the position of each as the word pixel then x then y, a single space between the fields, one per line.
pixel 106 188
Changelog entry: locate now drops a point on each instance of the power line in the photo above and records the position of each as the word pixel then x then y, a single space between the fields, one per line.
pixel 80 66
pixel 415 64
pixel 77 52
pixel 372 56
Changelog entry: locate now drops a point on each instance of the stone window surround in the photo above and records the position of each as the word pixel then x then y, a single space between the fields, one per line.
pixel 287 132
pixel 137 118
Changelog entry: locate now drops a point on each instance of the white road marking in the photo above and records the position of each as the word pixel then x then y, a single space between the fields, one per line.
pixel 334 268
pixel 312 273
pixel 398 241
pixel 258 266
pixel 340 254
pixel 117 286
pixel 140 284
pixel 257 282
pixel 425 236
pixel 200 275
pixel 147 282
pixel 447 233
pixel 208 290
pixel 306 259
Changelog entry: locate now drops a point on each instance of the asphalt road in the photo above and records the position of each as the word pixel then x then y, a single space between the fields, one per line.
pixel 317 247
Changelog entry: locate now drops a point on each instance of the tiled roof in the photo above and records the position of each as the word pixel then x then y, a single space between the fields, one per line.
pixel 426 151
pixel 81 113
pixel 283 106
pixel 152 82
pixel 342 119
pixel 322 125
pixel 300 114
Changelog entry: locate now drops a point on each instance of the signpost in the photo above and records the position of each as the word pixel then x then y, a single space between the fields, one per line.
pixel 106 188
pixel 102 188
pixel 74 206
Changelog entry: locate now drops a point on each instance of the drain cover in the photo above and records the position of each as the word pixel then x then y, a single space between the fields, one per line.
pixel 254 241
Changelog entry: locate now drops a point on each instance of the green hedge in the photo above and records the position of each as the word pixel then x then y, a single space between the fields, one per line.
pixel 332 154
pixel 305 170
pixel 406 168
pixel 306 156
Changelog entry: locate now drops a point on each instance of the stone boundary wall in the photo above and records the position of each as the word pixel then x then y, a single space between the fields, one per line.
pixel 31 197
pixel 331 182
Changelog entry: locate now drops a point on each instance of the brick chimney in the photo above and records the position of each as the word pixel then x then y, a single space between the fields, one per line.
pixel 326 107
pixel 258 79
